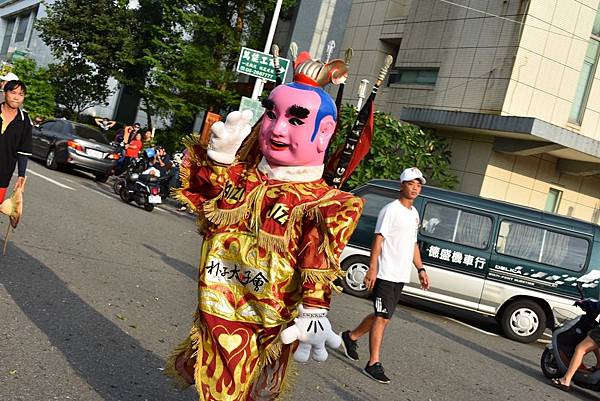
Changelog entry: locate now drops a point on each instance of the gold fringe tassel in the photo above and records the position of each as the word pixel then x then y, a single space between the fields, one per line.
pixel 273 351
pixel 224 216
pixel 319 276
pixel 271 242
pixel 171 370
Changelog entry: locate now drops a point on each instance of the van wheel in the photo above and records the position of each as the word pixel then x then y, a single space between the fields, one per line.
pixel 355 269
pixel 548 365
pixel 523 321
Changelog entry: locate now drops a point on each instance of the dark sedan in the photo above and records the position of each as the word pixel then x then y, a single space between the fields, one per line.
pixel 64 143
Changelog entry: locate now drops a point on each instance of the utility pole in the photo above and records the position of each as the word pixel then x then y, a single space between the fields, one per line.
pixel 259 84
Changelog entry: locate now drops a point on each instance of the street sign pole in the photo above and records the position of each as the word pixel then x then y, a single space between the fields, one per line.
pixel 258 85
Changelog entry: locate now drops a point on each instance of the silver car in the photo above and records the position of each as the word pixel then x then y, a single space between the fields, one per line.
pixel 67 144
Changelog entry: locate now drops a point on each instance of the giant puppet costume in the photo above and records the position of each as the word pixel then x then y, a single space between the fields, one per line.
pixel 273 231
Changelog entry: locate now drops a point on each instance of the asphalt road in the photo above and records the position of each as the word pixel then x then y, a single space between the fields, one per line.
pixel 94 293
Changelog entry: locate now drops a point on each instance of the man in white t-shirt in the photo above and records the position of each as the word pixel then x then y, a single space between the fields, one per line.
pixel 393 254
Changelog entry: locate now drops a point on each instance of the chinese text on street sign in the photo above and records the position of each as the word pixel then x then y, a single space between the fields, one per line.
pixel 260 65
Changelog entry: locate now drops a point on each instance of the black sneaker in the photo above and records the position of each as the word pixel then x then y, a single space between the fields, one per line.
pixel 349 345
pixel 376 372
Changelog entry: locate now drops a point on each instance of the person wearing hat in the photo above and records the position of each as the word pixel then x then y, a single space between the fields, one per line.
pixel 3 80
pixel 393 253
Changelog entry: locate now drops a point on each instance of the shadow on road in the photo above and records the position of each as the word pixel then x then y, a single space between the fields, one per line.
pixel 180 266
pixel 484 351
pixel 109 360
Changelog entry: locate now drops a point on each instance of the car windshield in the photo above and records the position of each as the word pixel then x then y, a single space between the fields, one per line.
pixel 91 134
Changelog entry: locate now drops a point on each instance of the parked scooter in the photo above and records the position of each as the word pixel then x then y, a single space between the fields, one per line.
pixel 143 188
pixel 565 337
pixel 131 173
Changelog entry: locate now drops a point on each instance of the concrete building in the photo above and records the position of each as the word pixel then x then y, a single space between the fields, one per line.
pixel 513 84
pixel 312 24
pixel 20 38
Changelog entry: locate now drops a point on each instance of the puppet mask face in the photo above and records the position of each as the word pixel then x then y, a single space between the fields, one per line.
pixel 287 134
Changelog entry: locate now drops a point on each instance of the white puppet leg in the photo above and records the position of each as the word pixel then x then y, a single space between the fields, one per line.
pixel 303 352
pixel 319 352
pixel 333 340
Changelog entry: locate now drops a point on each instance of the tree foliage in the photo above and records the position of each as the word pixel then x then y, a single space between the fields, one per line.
pixel 177 56
pixel 78 86
pixel 39 100
pixel 396 146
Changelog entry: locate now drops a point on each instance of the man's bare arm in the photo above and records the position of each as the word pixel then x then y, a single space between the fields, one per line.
pixel 423 277
pixel 373 267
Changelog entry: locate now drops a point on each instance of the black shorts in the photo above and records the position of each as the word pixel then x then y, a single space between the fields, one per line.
pixel 595 334
pixel 386 296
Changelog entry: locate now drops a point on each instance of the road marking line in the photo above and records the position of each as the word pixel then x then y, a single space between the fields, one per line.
pixel 50 180
pixel 472 327
pixel 97 192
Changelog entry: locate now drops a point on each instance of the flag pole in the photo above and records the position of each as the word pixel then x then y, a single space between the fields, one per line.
pixel 340 173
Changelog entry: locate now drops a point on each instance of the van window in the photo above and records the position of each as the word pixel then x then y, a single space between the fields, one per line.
pixel 456 225
pixel 374 202
pixel 541 245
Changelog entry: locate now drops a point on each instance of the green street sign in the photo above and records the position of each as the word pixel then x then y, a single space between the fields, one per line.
pixel 255 106
pixel 19 55
pixel 260 65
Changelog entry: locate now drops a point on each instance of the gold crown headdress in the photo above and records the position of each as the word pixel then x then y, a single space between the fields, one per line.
pixel 314 72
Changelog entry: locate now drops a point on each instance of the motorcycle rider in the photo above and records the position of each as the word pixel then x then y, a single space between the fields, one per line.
pixel 591 343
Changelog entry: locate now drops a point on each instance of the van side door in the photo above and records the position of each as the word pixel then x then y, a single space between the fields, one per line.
pixel 455 245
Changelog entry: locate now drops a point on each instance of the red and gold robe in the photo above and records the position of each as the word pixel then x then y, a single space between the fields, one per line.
pixel 268 246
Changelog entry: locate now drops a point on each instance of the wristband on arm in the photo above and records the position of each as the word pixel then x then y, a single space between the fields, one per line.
pixel 22 164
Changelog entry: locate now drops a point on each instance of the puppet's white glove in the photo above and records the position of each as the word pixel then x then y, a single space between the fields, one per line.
pixel 313 330
pixel 226 138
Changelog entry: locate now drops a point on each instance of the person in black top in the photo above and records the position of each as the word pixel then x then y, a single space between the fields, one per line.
pixel 15 136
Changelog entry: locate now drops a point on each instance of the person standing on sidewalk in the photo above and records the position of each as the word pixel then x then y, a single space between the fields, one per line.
pixel 15 136
pixel 394 251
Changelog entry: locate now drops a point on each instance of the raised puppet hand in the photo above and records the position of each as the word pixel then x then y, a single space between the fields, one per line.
pixel 226 138
pixel 313 330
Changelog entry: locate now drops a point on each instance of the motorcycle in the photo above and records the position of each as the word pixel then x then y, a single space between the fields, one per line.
pixel 135 167
pixel 142 188
pixel 565 337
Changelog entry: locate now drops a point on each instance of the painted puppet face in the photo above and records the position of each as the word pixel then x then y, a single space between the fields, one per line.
pixel 297 126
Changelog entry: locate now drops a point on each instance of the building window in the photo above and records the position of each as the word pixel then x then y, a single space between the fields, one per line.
pixel 22 29
pixel 586 76
pixel 584 84
pixel 413 76
pixel 596 28
pixel 10 25
pixel 553 200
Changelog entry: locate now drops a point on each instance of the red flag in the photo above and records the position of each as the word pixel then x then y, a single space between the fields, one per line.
pixel 363 146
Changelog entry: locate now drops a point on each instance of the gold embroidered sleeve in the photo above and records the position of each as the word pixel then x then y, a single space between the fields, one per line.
pixel 327 230
pixel 201 179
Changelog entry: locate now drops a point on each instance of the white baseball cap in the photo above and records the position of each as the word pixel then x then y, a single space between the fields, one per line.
pixel 9 77
pixel 412 173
